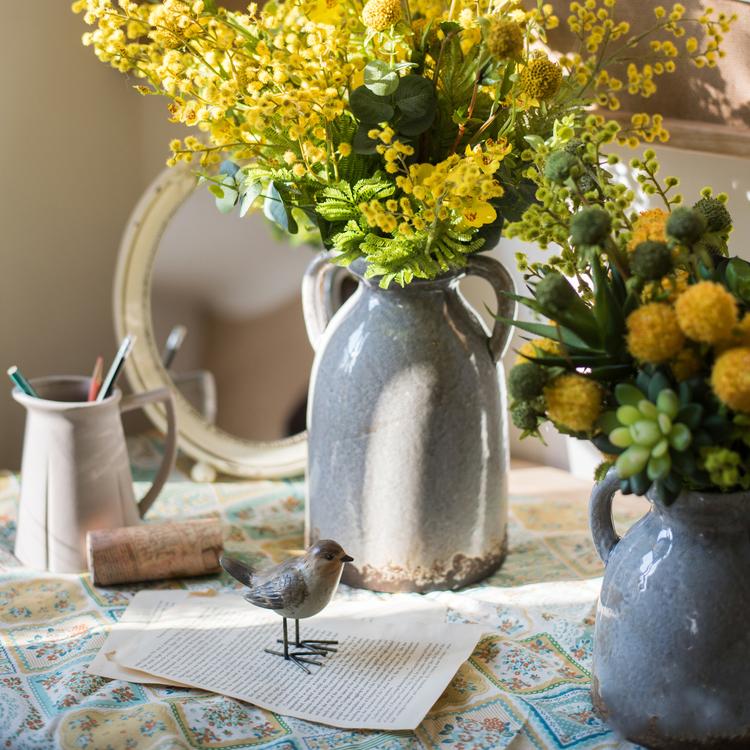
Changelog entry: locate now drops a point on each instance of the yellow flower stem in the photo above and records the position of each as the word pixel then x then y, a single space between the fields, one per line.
pixel 436 69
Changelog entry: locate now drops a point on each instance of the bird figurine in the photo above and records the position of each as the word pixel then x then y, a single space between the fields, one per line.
pixel 296 588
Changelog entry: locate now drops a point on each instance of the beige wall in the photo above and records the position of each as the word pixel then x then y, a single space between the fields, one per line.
pixel 68 179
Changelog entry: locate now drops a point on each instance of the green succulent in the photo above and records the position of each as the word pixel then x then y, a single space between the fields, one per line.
pixel 658 433
pixel 651 260
pixel 647 432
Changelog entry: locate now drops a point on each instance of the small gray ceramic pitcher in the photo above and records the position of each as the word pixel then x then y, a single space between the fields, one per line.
pixel 75 475
pixel 407 433
pixel 672 641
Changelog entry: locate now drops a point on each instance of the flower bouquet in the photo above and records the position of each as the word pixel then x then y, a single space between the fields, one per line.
pixel 647 348
pixel 397 129
pixel 645 351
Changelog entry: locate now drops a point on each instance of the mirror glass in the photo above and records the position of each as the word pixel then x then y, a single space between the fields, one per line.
pixel 227 317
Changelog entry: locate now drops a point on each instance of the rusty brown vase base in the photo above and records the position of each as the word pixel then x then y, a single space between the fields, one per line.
pixel 463 571
pixel 655 740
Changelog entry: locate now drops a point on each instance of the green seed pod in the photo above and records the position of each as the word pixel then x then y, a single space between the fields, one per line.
pixel 651 260
pixel 524 416
pixel 718 218
pixel 526 381
pixel 590 226
pixel 561 166
pixel 686 225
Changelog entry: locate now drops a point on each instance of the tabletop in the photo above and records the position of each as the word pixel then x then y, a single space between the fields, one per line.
pixel 525 686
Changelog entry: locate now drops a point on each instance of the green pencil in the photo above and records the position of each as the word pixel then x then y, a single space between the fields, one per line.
pixel 23 385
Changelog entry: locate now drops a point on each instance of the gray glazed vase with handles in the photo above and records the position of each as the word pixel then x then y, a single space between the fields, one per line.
pixel 75 472
pixel 672 641
pixel 407 431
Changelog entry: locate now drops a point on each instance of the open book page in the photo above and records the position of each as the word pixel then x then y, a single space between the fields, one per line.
pixel 389 669
pixel 143 607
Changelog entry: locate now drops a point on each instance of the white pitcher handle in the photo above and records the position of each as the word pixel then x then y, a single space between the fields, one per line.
pixel 496 274
pixel 138 401
pixel 320 296
pixel 600 515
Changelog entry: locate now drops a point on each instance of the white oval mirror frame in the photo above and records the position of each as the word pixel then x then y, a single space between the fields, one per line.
pixel 197 438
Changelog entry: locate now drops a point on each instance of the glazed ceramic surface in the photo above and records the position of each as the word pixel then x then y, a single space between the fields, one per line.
pixel 672 643
pixel 407 446
pixel 76 472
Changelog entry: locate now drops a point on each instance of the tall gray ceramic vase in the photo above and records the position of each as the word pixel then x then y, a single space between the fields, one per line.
pixel 672 641
pixel 407 433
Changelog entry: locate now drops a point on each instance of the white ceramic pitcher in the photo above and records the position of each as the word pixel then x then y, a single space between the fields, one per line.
pixel 75 475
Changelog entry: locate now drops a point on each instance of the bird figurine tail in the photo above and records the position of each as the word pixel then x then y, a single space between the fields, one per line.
pixel 239 570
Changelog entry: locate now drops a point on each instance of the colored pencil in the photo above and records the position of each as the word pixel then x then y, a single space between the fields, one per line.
pixel 23 385
pixel 114 370
pixel 174 342
pixel 96 379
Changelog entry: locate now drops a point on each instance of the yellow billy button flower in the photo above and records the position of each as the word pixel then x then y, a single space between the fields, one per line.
pixel 345 149
pixel 504 39
pixel 654 334
pixel 573 402
pixel 541 77
pixel 707 312
pixel 538 348
pixel 730 378
pixel 686 364
pixel 650 225
pixel 380 15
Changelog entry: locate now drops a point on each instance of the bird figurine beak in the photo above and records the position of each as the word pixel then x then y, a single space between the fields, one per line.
pixel 346 558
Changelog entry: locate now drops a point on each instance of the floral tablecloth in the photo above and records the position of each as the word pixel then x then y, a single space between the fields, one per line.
pixel 525 686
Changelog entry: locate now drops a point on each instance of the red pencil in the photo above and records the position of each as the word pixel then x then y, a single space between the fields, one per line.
pixel 96 379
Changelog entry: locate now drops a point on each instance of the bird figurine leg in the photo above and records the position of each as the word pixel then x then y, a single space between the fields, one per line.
pixel 322 647
pixel 300 658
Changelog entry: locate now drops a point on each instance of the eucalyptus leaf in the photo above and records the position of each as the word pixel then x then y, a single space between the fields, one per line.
pixel 362 143
pixel 229 168
pixel 411 126
pixel 253 190
pixel 276 210
pixel 415 97
pixel 228 198
pixel 370 108
pixel 380 79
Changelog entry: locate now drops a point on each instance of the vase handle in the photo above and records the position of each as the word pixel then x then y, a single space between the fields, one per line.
pixel 320 296
pixel 600 515
pixel 501 281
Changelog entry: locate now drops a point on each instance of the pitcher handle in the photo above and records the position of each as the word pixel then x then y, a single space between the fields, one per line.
pixel 600 515
pixel 138 401
pixel 320 296
pixel 501 281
